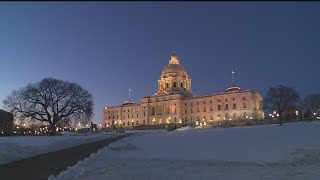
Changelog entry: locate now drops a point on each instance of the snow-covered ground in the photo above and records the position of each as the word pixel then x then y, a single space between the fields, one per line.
pixel 19 147
pixel 291 151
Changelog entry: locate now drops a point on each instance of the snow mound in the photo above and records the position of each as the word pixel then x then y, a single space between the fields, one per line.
pixel 184 128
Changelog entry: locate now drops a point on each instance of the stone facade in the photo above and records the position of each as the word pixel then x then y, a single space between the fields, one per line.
pixel 175 103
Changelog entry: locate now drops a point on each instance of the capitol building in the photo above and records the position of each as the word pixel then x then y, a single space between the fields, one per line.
pixel 174 103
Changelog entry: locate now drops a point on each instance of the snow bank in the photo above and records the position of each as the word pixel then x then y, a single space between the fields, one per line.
pixel 184 128
pixel 19 147
pixel 257 152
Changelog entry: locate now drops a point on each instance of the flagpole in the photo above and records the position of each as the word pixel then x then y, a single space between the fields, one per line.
pixel 232 72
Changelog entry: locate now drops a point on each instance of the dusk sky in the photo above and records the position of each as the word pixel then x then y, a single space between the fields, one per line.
pixel 108 47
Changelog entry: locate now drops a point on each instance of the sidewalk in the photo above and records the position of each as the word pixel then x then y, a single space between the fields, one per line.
pixel 52 163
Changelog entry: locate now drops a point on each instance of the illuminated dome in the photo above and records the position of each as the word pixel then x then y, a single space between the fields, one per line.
pixel 174 78
pixel 174 68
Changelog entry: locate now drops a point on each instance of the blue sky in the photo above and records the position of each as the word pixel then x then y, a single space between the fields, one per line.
pixel 108 47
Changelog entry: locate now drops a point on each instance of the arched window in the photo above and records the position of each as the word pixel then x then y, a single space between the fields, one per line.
pixel 211 117
pixel 244 105
pixel 185 119
pixel 181 85
pixel 174 84
pixel 234 106
pixel 227 116
pixel 137 122
pixel 234 116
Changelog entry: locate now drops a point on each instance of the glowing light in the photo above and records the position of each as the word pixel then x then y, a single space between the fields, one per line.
pixel 314 113
pixel 197 123
pixel 277 114
pixel 17 127
pixel 270 114
pixel 250 117
pixel 87 125
pixel 297 113
pixel 246 117
pixel 274 112
pixel 180 121
pixel 100 125
pixel 230 119
pixel 24 124
pixel 2 132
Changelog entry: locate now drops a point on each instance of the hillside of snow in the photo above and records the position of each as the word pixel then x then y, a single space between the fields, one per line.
pixel 291 151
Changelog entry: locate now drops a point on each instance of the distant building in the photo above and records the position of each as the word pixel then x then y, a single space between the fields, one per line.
pixel 6 122
pixel 174 102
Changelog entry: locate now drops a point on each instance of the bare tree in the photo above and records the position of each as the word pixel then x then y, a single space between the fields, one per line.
pixel 51 100
pixel 280 98
pixel 311 104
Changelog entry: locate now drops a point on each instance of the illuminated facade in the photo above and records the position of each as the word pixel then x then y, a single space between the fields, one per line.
pixel 174 102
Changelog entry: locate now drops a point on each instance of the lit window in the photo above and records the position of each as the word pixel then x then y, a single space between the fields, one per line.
pixel 244 115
